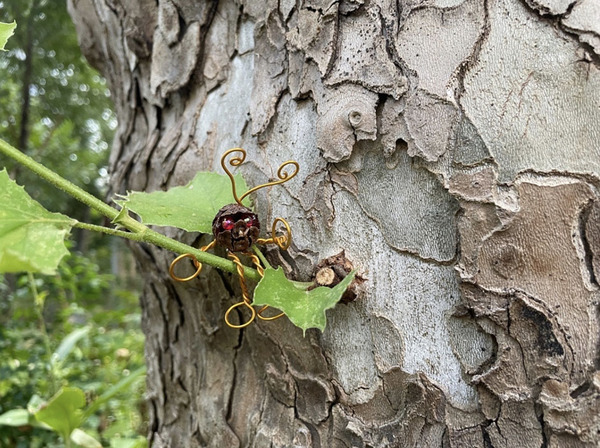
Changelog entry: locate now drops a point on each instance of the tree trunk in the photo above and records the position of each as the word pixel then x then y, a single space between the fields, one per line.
pixel 449 147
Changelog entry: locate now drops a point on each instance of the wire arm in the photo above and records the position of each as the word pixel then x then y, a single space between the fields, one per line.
pixel 234 161
pixel 283 176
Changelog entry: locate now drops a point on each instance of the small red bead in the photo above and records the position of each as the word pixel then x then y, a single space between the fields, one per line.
pixel 227 224
pixel 249 221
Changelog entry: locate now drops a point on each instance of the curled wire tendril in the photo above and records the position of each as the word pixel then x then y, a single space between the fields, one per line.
pixel 197 264
pixel 282 172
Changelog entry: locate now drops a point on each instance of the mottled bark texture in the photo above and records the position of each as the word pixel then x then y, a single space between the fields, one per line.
pixel 450 147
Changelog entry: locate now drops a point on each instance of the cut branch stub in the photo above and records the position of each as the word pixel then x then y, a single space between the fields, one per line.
pixel 331 271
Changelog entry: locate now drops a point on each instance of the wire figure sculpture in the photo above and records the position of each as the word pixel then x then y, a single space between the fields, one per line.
pixel 237 229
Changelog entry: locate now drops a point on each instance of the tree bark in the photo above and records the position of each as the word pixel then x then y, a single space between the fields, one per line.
pixel 448 147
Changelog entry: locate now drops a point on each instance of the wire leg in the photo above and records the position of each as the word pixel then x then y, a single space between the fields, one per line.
pixel 196 263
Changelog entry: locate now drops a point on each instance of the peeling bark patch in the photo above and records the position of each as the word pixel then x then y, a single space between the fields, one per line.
pixel 591 232
pixel 538 306
pixel 546 341
pixel 269 63
pixel 219 46
pixel 478 184
pixel 455 33
pixel 543 261
pixel 475 222
pixel 585 20
pixel 346 115
pixel 430 123
pixel 521 88
pixel 469 147
pixel 362 57
pixel 183 57
pixel 315 35
pixel 425 123
pixel 386 197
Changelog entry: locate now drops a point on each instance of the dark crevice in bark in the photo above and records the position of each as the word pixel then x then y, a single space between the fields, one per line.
pixel 487 441
pixel 164 313
pixel 334 190
pixel 173 293
pixel 336 48
pixel 390 48
pixel 588 253
pixel 182 25
pixel 597 358
pixel 226 281
pixel 198 77
pixel 581 389
pixel 153 427
pixel 473 58
pixel 181 385
pixel 540 416
pixel 231 397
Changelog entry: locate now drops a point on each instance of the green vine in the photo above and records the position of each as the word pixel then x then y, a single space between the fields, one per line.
pixel 136 230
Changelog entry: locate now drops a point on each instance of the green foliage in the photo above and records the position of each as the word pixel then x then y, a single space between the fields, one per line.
pixel 31 238
pixel 6 30
pixel 84 440
pixel 97 349
pixel 70 120
pixel 63 412
pixel 303 306
pixel 191 207
pixel 76 330
pixel 17 418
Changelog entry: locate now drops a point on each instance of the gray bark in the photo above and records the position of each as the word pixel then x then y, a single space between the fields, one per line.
pixel 450 147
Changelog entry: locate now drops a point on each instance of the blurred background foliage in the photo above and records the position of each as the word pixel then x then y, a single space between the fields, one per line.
pixel 57 109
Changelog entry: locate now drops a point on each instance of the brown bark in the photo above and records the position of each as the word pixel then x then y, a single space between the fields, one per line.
pixel 448 147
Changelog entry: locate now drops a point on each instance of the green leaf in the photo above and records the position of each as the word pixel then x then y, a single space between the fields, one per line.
pixel 84 440
pixel 68 343
pixel 21 417
pixel 125 383
pixel 191 207
pixel 305 309
pixel 31 237
pixel 6 30
pixel 15 417
pixel 35 404
pixel 138 442
pixel 63 411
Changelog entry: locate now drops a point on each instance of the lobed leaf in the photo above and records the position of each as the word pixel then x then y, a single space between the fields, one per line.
pixel 63 412
pixel 31 237
pixel 305 308
pixel 6 30
pixel 191 207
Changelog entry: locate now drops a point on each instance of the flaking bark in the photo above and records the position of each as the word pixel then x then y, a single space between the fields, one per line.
pixel 448 147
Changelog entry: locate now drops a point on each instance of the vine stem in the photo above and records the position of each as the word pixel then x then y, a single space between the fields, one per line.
pixel 38 306
pixel 137 231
